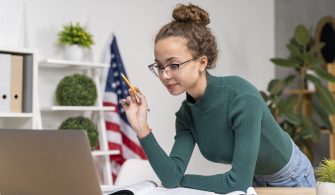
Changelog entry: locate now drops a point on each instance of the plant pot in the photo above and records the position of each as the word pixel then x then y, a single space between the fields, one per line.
pixel 74 52
pixel 325 188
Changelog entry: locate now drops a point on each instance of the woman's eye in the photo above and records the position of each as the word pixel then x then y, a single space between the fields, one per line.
pixel 174 66
pixel 161 67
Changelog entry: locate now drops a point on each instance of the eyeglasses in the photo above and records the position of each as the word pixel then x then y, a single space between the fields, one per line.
pixel 171 69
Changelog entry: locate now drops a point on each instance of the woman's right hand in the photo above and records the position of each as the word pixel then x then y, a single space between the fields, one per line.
pixel 135 106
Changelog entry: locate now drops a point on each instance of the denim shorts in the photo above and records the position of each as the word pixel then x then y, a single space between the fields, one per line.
pixel 298 172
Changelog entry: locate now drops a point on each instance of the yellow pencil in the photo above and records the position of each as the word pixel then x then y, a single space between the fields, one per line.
pixel 128 83
pixel 131 86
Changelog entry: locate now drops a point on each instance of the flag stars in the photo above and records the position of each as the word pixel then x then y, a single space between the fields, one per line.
pixel 117 83
pixel 119 91
pixel 114 85
pixel 116 74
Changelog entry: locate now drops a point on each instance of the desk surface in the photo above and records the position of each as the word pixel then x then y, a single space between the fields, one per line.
pixel 285 191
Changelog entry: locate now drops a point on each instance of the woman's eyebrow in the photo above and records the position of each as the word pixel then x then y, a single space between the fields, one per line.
pixel 167 60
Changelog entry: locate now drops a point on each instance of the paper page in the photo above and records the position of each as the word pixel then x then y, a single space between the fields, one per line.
pixel 140 188
pixel 250 191
pixel 149 187
pixel 236 193
pixel 107 189
pixel 179 191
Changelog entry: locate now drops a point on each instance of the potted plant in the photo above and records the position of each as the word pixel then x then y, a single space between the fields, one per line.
pixel 76 90
pixel 325 173
pixel 82 123
pixel 291 101
pixel 75 38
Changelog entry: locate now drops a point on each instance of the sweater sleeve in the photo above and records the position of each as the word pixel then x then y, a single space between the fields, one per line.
pixel 170 169
pixel 245 116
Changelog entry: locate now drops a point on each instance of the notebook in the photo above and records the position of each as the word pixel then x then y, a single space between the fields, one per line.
pixel 40 162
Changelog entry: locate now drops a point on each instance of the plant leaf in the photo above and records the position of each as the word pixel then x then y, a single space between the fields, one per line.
pixel 311 130
pixel 325 98
pixel 287 105
pixel 323 95
pixel 264 95
pixel 313 61
pixel 294 50
pixel 276 86
pixel 289 128
pixel 285 62
pixel 302 36
pixel 292 118
pixel 324 74
pixel 322 114
pixel 289 79
pixel 314 79
pixel 325 171
pixel 316 47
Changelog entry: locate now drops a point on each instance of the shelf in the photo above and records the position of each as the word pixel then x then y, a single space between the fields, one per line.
pixel 105 153
pixel 78 108
pixel 16 51
pixel 51 71
pixel 19 115
pixel 52 63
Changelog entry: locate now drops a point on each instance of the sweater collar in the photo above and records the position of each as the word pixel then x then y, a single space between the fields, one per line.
pixel 210 85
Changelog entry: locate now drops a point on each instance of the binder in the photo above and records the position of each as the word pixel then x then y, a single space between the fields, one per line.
pixel 5 73
pixel 28 63
pixel 16 83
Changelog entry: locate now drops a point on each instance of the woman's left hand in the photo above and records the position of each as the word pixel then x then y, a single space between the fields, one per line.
pixel 135 107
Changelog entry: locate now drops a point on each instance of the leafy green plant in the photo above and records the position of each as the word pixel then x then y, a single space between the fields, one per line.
pixel 75 34
pixel 82 123
pixel 325 171
pixel 289 99
pixel 76 90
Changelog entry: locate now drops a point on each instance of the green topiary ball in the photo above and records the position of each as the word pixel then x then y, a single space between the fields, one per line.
pixel 82 123
pixel 76 90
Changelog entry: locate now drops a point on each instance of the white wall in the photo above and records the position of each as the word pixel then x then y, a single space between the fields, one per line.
pixel 244 30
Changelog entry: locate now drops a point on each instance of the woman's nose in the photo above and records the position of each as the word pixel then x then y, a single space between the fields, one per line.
pixel 166 74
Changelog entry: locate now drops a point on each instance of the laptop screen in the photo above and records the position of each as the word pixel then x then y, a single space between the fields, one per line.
pixel 40 162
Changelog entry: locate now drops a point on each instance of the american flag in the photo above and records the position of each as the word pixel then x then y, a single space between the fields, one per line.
pixel 120 135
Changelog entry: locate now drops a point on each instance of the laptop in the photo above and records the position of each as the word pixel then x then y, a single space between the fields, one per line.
pixel 46 162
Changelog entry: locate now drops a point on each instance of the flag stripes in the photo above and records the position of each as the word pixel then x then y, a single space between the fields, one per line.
pixel 120 135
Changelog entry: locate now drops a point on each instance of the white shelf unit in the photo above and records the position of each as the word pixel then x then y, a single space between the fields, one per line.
pixel 28 118
pixel 78 108
pixel 51 71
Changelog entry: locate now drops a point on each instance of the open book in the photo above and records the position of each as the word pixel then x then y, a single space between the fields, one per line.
pixel 150 187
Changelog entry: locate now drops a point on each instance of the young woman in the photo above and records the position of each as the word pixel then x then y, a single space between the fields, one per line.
pixel 225 116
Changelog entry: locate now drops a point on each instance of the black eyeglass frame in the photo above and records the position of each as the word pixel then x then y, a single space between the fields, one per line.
pixel 151 66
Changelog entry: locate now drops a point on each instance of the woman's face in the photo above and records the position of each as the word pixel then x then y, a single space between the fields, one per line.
pixel 173 50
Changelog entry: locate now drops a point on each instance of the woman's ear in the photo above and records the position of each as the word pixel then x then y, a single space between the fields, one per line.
pixel 203 60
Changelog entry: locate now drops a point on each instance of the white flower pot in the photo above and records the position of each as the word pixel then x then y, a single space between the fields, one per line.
pixel 325 188
pixel 74 52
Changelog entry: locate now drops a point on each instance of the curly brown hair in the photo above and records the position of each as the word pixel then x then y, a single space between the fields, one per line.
pixel 190 22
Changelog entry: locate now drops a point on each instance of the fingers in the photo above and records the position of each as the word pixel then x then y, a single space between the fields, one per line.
pixel 124 104
pixel 138 90
pixel 138 98
pixel 141 97
pixel 128 102
pixel 133 96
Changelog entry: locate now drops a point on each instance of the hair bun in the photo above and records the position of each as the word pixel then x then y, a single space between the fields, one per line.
pixel 190 13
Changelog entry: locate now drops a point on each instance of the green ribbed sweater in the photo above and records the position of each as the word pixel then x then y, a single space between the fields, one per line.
pixel 231 124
